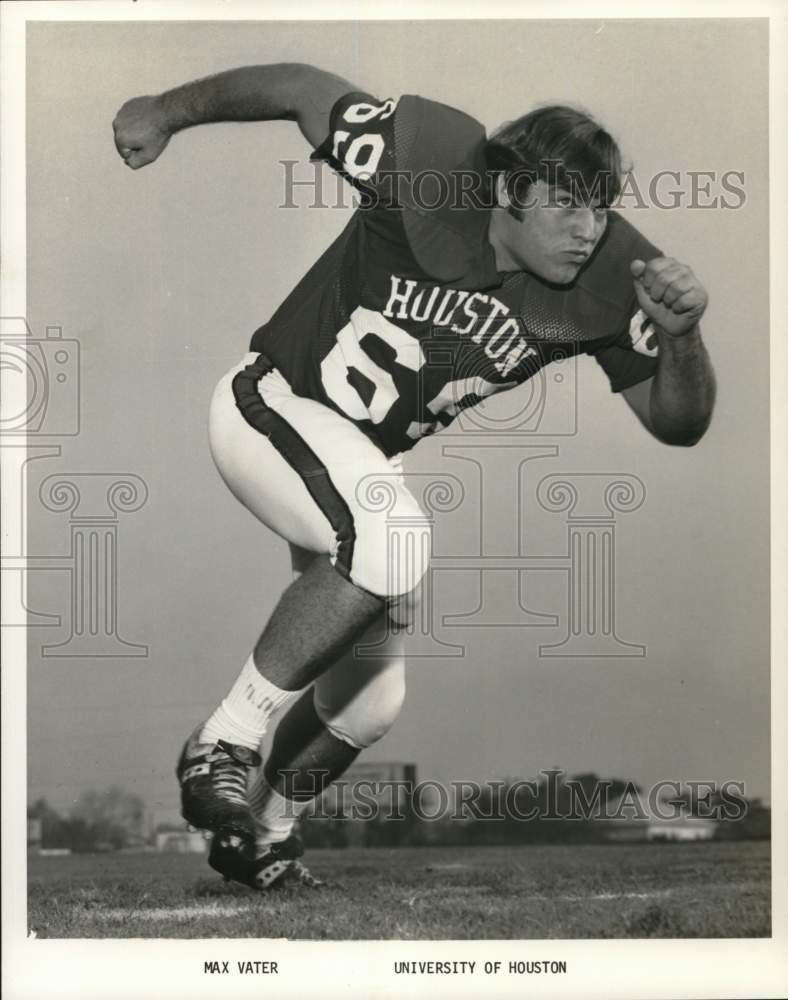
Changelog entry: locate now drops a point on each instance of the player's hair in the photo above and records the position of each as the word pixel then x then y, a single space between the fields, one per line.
pixel 560 145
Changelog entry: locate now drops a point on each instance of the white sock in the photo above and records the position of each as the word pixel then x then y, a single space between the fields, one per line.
pixel 243 715
pixel 274 815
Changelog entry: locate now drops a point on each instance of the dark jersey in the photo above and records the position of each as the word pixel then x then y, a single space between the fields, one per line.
pixel 404 320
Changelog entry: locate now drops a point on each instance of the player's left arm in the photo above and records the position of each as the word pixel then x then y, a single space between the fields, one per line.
pixel 676 403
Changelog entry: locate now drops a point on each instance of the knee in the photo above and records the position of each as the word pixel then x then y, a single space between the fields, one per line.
pixel 392 553
pixel 368 717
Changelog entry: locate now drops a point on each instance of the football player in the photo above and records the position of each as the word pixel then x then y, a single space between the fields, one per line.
pixel 470 264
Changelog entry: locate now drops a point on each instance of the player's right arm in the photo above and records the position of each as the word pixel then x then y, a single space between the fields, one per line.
pixel 290 91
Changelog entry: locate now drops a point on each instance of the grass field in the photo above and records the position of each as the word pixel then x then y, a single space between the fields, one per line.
pixel 589 891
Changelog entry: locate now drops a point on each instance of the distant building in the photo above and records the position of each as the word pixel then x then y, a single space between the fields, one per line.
pixel 381 773
pixel 368 789
pixel 638 829
pixel 181 842
pixel 628 831
pixel 684 828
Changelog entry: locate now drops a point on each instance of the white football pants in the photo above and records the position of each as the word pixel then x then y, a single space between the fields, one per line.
pixel 383 543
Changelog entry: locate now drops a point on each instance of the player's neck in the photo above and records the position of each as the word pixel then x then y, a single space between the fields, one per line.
pixel 496 236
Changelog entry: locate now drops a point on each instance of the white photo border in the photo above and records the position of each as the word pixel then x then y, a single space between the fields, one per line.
pixel 610 969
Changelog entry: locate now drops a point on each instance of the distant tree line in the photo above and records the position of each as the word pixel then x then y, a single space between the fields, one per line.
pixel 510 811
pixel 99 820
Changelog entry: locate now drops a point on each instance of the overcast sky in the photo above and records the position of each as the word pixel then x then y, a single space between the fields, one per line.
pixel 162 275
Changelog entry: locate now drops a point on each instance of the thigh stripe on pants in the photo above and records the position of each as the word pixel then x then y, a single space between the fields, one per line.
pixel 294 449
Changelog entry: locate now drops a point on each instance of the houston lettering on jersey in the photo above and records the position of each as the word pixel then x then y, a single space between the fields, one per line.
pixel 498 333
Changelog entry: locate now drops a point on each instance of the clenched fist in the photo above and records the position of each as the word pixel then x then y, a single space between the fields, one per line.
pixel 669 294
pixel 141 131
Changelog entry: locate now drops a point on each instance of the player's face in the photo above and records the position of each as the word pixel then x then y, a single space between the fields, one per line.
pixel 554 238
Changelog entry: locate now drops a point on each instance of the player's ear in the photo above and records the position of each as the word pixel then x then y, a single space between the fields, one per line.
pixel 502 198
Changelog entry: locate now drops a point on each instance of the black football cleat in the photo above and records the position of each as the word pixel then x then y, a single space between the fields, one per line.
pixel 275 864
pixel 213 779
